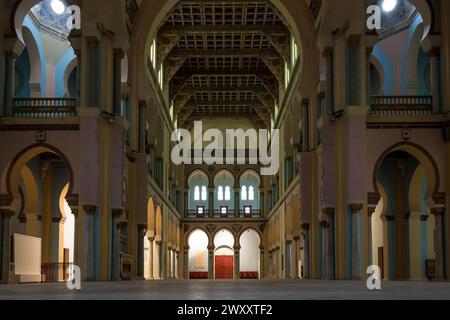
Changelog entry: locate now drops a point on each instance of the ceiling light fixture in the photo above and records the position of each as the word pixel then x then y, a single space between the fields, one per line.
pixel 389 5
pixel 58 7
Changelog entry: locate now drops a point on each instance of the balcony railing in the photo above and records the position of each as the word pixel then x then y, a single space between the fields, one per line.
pixel 402 105
pixel 230 214
pixel 44 107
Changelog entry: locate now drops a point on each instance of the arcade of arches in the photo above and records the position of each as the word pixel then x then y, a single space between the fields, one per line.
pixel 86 122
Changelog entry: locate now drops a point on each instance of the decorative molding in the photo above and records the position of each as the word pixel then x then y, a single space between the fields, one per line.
pixel 356 207
pixel 90 209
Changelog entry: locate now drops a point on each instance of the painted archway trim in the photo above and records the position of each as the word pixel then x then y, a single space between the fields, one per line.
pixel 31 151
pixel 407 147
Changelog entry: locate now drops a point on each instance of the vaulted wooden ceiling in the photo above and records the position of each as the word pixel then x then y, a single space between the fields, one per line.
pixel 224 58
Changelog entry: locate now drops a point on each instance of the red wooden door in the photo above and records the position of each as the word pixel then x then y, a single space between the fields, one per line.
pixel 224 267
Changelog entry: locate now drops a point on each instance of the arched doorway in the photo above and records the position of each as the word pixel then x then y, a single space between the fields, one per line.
pixel 198 254
pixel 249 256
pixel 405 230
pixel 224 255
pixel 40 180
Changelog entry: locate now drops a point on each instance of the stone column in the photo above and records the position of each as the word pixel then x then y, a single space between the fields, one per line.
pixel 186 262
pixel 370 212
pixel 142 125
pixel 11 58
pixel 237 262
pixel 118 56
pixel 262 274
pixel 287 258
pixel 211 262
pixel 325 226
pixel 328 55
pixel 296 259
pixel 92 89
pixel 306 260
pixel 434 54
pixel 116 213
pixel 329 244
pixel 158 270
pixel 237 196
pixel 356 241
pixel 78 237
pixel 211 202
pixel 90 249
pixel 142 230
pixel 6 244
pixel 439 241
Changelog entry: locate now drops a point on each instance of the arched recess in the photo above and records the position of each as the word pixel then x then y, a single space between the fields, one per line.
pixel 250 183
pixel 425 159
pixel 378 66
pixel 198 261
pixel 24 156
pixel 197 184
pixel 68 73
pixel 36 55
pixel 407 180
pixel 224 243
pixel 424 9
pixel 224 195
pixel 249 258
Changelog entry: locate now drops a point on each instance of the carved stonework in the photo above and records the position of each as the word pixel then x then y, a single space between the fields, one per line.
pixel 237 228
pixel 211 228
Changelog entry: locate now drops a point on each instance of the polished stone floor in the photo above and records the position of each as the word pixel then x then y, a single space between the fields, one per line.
pixel 228 290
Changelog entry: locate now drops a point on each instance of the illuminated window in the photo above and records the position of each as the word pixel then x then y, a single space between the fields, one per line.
pixel 251 193
pixel 197 193
pixel 220 193
pixel 204 193
pixel 227 193
pixel 244 193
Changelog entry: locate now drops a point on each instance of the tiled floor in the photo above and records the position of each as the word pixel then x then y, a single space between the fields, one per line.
pixel 229 290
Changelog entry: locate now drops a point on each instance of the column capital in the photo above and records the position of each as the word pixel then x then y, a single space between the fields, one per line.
pixel 305 226
pixel 237 247
pixel 327 51
pixel 371 211
pixel 116 213
pixel 324 224
pixel 61 220
pixel 89 209
pixel 119 52
pixel 92 41
pixel 75 210
pixel 328 211
pixel 438 211
pixel 356 207
pixel 6 213
pixel 211 248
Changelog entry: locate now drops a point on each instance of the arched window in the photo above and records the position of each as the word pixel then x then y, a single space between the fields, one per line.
pixel 244 193
pixel 227 193
pixel 251 193
pixel 197 193
pixel 220 193
pixel 204 193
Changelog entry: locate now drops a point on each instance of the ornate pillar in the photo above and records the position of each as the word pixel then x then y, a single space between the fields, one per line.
pixel 439 241
pixel 90 244
pixel 262 274
pixel 434 54
pixel 306 258
pixel 11 58
pixel 287 258
pixel 158 269
pixel 92 89
pixel 211 262
pixel 295 251
pixel 118 56
pixel 6 244
pixel 237 196
pixel 328 55
pixel 325 226
pixel 142 230
pixel 237 261
pixel 116 213
pixel 186 262
pixel 356 241
pixel 370 212
pixel 151 239
pixel 211 202
pixel 329 243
